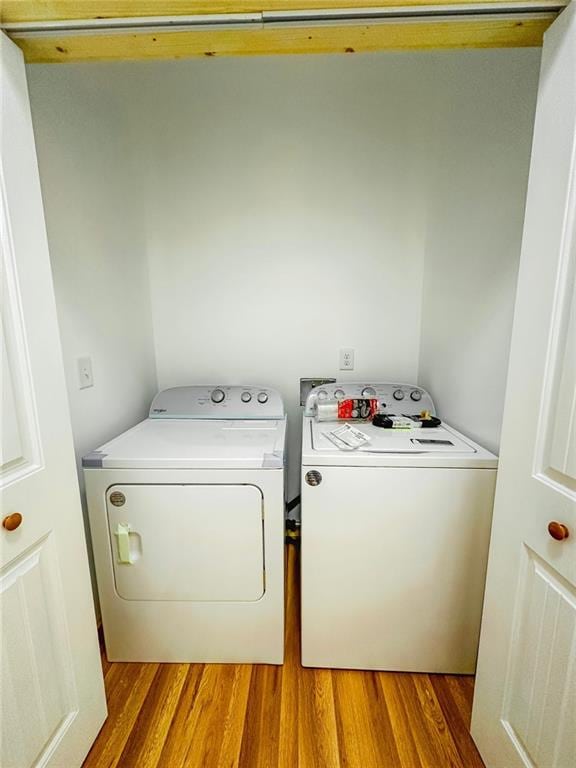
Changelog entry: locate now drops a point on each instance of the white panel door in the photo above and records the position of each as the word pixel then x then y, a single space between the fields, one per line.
pixel 186 542
pixel 51 689
pixel 525 703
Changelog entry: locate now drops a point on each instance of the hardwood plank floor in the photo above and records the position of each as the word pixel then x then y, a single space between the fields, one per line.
pixel 243 716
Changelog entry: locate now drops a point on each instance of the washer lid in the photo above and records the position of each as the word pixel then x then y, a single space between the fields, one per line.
pixel 418 440
pixel 443 446
pixel 185 443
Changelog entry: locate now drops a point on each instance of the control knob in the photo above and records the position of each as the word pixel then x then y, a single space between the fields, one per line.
pixel 246 397
pixel 262 397
pixel 217 395
pixel 398 394
pixel 416 395
pixel 322 394
pixel 368 392
pixel 339 394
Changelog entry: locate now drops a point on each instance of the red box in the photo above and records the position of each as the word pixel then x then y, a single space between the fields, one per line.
pixel 357 408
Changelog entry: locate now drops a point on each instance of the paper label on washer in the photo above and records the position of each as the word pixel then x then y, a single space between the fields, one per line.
pixel 347 438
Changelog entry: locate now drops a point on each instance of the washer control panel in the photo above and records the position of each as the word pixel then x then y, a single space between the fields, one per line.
pixel 392 397
pixel 217 402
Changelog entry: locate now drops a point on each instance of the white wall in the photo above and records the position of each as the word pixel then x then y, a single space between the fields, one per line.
pixel 292 206
pixel 286 210
pixel 473 238
pixel 97 249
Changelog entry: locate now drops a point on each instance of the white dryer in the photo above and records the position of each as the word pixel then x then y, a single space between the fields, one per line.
pixel 394 540
pixel 187 519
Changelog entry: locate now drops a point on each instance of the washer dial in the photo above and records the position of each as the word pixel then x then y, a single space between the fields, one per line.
pixel 217 395
pixel 322 394
pixel 339 394
pixel 368 392
pixel 262 397
pixel 398 394
pixel 246 397
pixel 416 395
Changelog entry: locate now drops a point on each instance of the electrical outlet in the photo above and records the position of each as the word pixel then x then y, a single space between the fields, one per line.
pixel 85 377
pixel 347 359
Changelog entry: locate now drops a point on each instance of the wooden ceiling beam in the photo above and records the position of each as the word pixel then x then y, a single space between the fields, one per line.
pixel 12 11
pixel 120 30
pixel 392 36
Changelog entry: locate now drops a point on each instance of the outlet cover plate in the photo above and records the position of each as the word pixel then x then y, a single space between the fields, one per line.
pixel 346 359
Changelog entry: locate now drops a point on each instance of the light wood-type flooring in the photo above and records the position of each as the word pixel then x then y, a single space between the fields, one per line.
pixel 223 716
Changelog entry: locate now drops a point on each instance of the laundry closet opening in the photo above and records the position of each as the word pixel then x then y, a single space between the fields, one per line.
pixel 241 220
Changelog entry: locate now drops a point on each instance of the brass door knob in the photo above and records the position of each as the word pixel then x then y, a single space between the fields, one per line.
pixel 11 522
pixel 558 531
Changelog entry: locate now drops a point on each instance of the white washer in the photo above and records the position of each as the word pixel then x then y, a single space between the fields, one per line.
pixel 394 540
pixel 187 520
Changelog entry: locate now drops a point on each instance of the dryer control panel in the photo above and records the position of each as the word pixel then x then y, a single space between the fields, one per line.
pixel 217 402
pixel 392 397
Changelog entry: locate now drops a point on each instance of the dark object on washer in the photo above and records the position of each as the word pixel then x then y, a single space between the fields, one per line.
pixel 433 421
pixel 381 420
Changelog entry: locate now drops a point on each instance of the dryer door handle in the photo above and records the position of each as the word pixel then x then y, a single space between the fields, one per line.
pixel 122 534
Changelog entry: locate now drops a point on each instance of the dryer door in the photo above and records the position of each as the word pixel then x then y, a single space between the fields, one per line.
pixel 187 542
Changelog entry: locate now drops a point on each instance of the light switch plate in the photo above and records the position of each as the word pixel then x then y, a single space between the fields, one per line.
pixel 85 377
pixel 347 359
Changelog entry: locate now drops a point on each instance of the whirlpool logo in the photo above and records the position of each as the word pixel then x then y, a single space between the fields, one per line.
pixel 313 477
